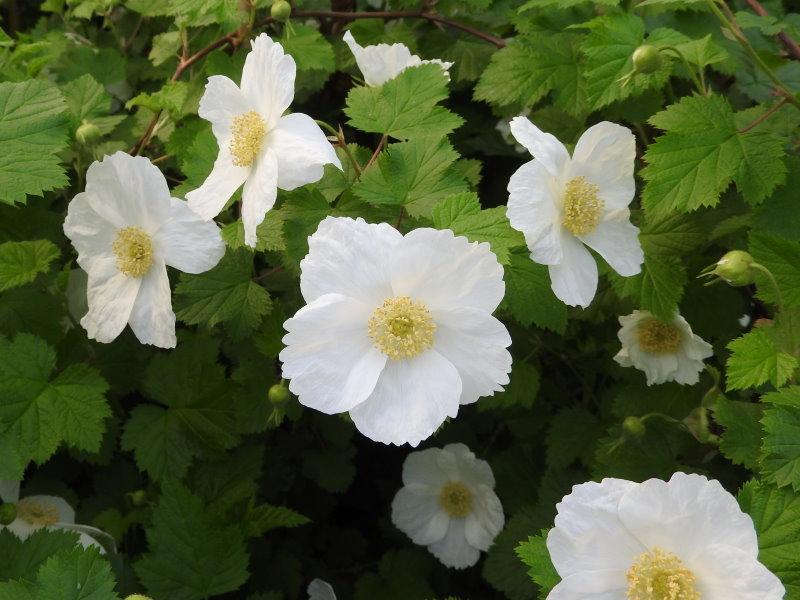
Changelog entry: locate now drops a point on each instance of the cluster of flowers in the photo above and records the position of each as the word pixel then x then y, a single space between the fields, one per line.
pixel 398 330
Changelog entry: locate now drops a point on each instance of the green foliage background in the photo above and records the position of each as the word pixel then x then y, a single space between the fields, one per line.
pixel 208 488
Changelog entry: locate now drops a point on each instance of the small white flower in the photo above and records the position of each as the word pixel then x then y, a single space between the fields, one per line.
pixel 398 330
pixel 664 350
pixel 258 146
pixel 320 590
pixel 448 504
pixel 126 229
pixel 380 63
pixel 685 539
pixel 561 203
pixel 51 512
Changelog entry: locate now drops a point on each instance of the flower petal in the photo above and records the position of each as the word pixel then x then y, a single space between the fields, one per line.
pixel 486 520
pixel 617 241
pixel 90 233
pixel 574 279
pixel 381 62
pixel 268 79
pixel 591 585
pixel 724 572
pixel 544 147
pixel 259 194
pixel 301 149
pixel 329 359
pixel 453 550
pixel 466 467
pixel 222 101
pixel 417 513
pixel 446 271
pixel 110 296
pixel 412 399
pixel 66 514
pixel 429 468
pixel 605 154
pixel 532 210
pixel 187 242
pixel 320 590
pixel 686 514
pixel 152 319
pixel 351 257
pixel 225 178
pixel 475 342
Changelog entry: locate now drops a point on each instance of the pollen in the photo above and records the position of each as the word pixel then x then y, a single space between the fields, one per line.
pixel 401 328
pixel 658 337
pixel 36 514
pixel 582 207
pixel 134 251
pixel 660 575
pixel 456 499
pixel 248 131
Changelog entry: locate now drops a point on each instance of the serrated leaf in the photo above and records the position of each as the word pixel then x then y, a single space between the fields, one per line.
pixel 309 48
pixel 22 559
pixel 658 288
pixel 80 574
pixel 755 360
pixel 266 517
pixel 21 262
pixel 529 296
pixel 780 452
pixel 782 258
pixel 572 435
pixel 741 441
pixel 521 390
pixel 85 99
pixel 536 557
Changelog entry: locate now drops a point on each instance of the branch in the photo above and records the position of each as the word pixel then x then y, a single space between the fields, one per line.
pixel 787 41
pixel 773 109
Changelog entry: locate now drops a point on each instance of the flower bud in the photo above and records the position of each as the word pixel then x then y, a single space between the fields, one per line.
pixel 735 268
pixel 278 394
pixel 138 597
pixel 87 133
pixel 281 10
pixel 138 497
pixel 646 59
pixel 633 428
pixel 8 513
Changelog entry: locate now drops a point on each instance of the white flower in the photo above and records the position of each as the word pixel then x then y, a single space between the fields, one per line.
pixel 398 330
pixel 448 504
pixel 320 590
pixel 51 512
pixel 561 203
pixel 380 63
pixel 664 350
pixel 685 539
pixel 126 229
pixel 258 147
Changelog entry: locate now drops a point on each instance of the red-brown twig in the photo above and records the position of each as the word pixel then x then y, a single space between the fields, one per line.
pixel 765 116
pixel 377 152
pixel 787 41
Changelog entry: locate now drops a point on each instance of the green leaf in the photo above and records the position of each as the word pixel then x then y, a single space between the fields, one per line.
pixel 658 288
pixel 462 214
pixel 170 98
pixel 536 557
pixel 23 559
pixel 755 360
pixel 225 294
pixel 672 235
pixel 266 517
pixel 21 262
pixel 192 554
pixel 38 411
pixel 529 296
pixel 80 574
pixel 309 48
pixel 32 133
pixel 741 441
pixel 572 435
pixel 702 152
pixel 776 515
pixel 521 390
pixel 782 258
pixel 529 68
pixel 86 99
pixel 404 107
pixel 780 457
pixel 416 175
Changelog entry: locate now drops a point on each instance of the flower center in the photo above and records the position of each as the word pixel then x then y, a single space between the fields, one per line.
pixel 456 499
pixel 401 327
pixel 248 131
pixel 134 251
pixel 582 208
pixel 36 513
pixel 658 337
pixel 660 575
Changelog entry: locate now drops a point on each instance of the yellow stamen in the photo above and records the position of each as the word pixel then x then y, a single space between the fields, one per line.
pixel 658 337
pixel 36 513
pixel 582 207
pixel 401 328
pixel 456 499
pixel 660 575
pixel 248 131
pixel 134 251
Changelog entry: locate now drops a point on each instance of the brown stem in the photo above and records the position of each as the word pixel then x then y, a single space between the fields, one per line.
pixel 765 116
pixel 787 41
pixel 381 144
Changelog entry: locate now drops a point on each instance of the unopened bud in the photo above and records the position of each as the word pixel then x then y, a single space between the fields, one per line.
pixel 646 59
pixel 633 428
pixel 278 394
pixel 281 10
pixel 87 133
pixel 697 423
pixel 138 497
pixel 735 268
pixel 8 513
pixel 138 597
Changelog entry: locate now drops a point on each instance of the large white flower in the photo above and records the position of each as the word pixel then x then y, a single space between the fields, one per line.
pixel 52 512
pixel 126 229
pixel 682 539
pixel 664 350
pixel 380 63
pixel 319 589
pixel 448 504
pixel 258 146
pixel 398 330
pixel 561 202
